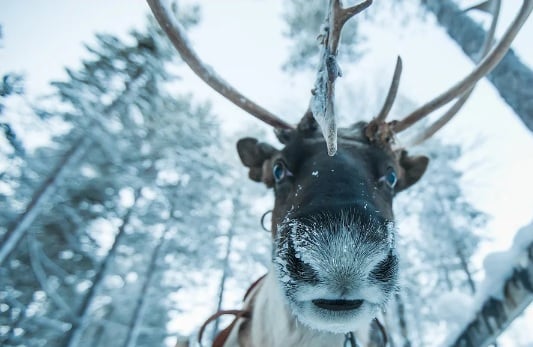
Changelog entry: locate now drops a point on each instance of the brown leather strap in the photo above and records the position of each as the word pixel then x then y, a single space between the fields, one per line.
pixel 237 313
pixel 252 286
pixel 223 335
pixel 221 338
pixel 384 334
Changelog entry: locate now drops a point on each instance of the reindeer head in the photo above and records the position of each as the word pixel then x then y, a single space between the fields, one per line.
pixel 333 226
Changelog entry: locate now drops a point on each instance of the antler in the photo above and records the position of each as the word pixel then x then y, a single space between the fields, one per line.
pixel 465 85
pixel 168 22
pixel 492 7
pixel 322 101
pixel 393 91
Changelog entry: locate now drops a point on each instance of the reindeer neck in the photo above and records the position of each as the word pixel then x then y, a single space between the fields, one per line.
pixel 274 325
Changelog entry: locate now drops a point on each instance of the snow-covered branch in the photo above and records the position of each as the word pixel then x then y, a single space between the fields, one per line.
pixel 504 295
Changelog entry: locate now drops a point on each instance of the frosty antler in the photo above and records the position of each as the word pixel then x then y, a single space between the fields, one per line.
pixel 322 102
pixel 176 34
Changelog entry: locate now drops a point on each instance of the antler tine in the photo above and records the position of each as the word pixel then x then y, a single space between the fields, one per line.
pixel 176 34
pixel 483 68
pixel 322 101
pixel 442 121
pixel 340 16
pixel 393 91
pixel 492 6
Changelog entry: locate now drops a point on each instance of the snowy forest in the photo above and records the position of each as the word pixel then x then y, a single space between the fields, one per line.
pixel 127 218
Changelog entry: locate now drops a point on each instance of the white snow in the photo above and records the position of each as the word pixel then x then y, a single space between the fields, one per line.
pixel 498 266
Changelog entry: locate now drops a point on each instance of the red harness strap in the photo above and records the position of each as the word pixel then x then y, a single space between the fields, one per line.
pixel 221 338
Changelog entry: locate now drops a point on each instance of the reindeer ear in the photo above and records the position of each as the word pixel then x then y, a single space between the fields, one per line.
pixel 413 168
pixel 256 156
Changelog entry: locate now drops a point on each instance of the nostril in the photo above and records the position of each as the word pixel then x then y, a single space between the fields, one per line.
pixel 338 305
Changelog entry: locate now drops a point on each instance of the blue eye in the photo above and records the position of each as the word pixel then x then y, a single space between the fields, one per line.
pixel 279 171
pixel 390 178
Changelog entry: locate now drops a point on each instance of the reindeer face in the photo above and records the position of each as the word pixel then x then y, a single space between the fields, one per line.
pixel 333 226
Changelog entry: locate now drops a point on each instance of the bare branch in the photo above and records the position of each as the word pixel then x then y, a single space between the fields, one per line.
pixel 486 65
pixel 176 34
pixel 42 278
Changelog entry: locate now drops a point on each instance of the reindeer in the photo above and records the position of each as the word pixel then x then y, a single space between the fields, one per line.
pixel 334 263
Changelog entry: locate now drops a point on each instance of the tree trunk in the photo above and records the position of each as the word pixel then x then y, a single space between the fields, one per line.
pixel 446 274
pixel 512 78
pixel 225 267
pixel 75 333
pixel 140 307
pixel 402 320
pixel 222 285
pixel 15 233
pixel 498 311
pixel 17 230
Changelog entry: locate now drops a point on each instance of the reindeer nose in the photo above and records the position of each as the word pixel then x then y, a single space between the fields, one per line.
pixel 337 305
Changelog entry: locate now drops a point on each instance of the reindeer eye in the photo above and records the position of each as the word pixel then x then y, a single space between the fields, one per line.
pixel 390 178
pixel 279 171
